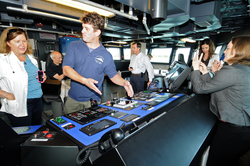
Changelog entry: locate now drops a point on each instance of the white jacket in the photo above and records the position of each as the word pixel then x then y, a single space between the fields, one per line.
pixel 14 79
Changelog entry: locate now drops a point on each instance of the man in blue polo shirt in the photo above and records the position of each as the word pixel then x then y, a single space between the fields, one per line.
pixel 86 62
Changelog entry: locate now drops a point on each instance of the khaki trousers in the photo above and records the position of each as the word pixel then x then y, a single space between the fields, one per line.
pixel 72 106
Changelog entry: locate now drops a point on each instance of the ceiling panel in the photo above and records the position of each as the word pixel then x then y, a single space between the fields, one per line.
pixel 182 18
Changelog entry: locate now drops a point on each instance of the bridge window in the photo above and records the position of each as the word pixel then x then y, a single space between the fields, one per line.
pixel 161 55
pixel 115 52
pixel 127 53
pixel 217 50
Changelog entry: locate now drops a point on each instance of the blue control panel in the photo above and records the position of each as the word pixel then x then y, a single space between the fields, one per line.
pixel 73 129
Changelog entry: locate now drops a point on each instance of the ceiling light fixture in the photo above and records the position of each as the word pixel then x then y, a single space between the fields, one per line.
pixel 188 40
pixel 109 45
pixel 83 6
pixel 117 42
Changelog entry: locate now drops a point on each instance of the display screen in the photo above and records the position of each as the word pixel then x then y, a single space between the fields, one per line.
pixel 97 127
pixel 177 73
pixel 101 124
pixel 174 74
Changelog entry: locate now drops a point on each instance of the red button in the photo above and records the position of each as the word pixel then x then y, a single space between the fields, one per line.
pixel 49 135
pixel 45 132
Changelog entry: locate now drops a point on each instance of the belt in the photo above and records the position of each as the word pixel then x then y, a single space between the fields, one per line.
pixel 234 125
pixel 136 74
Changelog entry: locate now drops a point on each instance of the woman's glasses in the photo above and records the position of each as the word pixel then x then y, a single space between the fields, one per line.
pixel 14 30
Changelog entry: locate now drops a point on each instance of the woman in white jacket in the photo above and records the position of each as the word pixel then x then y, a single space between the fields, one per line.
pixel 20 91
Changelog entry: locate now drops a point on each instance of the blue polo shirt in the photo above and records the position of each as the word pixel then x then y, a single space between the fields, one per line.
pixel 89 65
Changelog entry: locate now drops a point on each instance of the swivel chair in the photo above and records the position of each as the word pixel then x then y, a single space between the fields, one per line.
pixel 181 59
pixel 186 83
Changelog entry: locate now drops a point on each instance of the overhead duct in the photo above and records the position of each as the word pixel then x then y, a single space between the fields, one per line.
pixel 158 9
pixel 206 14
pixel 178 14
pixel 4 17
pixel 32 12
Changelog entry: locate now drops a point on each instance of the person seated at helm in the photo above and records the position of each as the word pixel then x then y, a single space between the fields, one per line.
pixel 54 69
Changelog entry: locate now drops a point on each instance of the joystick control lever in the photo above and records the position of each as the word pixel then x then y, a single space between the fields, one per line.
pixel 93 103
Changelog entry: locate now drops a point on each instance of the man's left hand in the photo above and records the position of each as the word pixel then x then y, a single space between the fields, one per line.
pixel 149 82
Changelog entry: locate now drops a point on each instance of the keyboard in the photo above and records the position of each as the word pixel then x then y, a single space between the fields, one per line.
pixel 21 130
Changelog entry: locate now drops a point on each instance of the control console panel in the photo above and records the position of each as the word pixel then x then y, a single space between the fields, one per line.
pixel 97 126
pixel 88 115
pixel 43 135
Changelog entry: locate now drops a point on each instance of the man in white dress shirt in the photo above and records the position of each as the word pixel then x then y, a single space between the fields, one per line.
pixel 139 63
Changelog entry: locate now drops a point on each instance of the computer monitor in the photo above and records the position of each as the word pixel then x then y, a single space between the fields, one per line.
pixel 156 84
pixel 176 77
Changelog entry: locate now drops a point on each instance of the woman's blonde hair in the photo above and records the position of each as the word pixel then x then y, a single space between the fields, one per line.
pixel 6 36
pixel 241 46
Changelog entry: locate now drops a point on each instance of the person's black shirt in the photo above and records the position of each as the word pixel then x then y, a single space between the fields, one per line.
pixel 53 69
pixel 206 61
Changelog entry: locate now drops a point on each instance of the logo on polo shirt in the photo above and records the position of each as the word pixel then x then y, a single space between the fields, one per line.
pixel 99 59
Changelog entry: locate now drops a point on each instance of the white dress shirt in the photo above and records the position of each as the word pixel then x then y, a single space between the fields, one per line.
pixel 14 79
pixel 140 63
